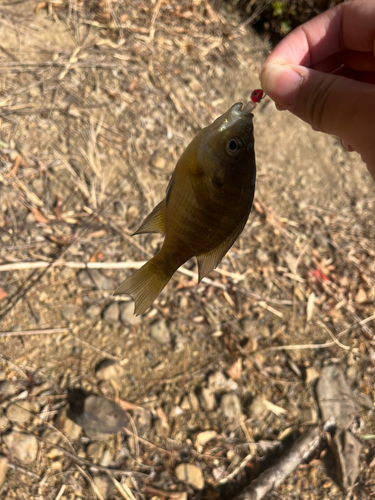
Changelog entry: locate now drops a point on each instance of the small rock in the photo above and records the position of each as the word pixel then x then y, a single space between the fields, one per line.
pixel 185 405
pixel 311 375
pixel 4 424
pixel 193 400
pixel 24 447
pixel 70 312
pixel 261 255
pixel 190 474
pixel 3 469
pixel 69 428
pixel 93 311
pixel 159 162
pixel 8 388
pixel 111 313
pixel 100 417
pixel 361 296
pixel 127 314
pixel 106 458
pixel 230 405
pixel 257 408
pixel 217 382
pixel 119 208
pixel 203 438
pixel 309 416
pixel 95 451
pixel 95 279
pixel 38 186
pixel 104 485
pixel 108 369
pixel 51 436
pixel 159 332
pixel 207 399
pixel 20 411
pixel 3 375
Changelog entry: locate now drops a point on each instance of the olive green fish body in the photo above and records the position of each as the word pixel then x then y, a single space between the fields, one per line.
pixel 208 202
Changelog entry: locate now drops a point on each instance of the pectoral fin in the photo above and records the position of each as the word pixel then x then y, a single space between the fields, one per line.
pixel 154 222
pixel 208 261
pixel 199 187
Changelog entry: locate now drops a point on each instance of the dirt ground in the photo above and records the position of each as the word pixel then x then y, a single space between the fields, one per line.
pixel 97 102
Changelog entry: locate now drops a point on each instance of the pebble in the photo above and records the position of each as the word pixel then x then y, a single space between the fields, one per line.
pixel 95 451
pixel 193 401
pixel 191 474
pixel 4 424
pixel 101 417
pixel 309 416
pixel 159 332
pixel 3 469
pixel 107 458
pixel 94 278
pixel 24 447
pixel 70 312
pixel 109 369
pixel 127 314
pixel 217 382
pixel 69 428
pixel 257 408
pixel 38 186
pixel 203 438
pixel 311 375
pixel 51 436
pixel 93 311
pixel 8 388
pixel 207 399
pixel 104 485
pixel 159 162
pixel 230 405
pixel 111 313
pixel 20 411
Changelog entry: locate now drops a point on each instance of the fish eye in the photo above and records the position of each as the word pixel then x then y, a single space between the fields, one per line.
pixel 233 146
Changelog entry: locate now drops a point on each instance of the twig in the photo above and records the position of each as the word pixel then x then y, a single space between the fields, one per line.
pixel 22 333
pixel 82 461
pixel 23 470
pixel 91 482
pixel 346 347
pixel 21 266
pixel 234 473
pixel 153 19
pixel 270 479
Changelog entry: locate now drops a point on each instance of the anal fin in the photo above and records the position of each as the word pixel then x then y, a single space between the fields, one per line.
pixel 208 261
pixel 154 222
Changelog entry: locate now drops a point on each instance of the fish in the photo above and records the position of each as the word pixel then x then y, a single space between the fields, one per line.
pixel 207 204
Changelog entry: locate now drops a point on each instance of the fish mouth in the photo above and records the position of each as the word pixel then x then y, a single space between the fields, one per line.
pixel 234 114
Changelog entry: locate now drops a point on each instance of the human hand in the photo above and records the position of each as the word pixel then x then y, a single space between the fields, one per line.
pixel 298 75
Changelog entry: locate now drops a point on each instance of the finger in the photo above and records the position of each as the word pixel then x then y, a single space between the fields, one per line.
pixel 349 25
pixel 361 61
pixel 330 103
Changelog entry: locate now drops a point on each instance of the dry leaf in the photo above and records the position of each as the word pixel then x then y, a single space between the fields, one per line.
pixel 39 217
pixel 3 294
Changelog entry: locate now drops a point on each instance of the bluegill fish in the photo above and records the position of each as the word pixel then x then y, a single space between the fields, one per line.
pixel 207 204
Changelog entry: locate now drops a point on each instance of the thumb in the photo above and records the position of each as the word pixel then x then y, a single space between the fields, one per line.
pixel 330 103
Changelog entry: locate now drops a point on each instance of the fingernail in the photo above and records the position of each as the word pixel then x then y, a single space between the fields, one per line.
pixel 281 83
pixel 346 146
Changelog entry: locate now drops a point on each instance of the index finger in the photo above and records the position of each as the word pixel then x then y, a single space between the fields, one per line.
pixel 349 25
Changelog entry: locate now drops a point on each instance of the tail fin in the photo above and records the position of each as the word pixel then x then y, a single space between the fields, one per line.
pixel 145 285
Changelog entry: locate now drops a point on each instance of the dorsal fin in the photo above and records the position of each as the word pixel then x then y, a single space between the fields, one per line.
pixel 154 222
